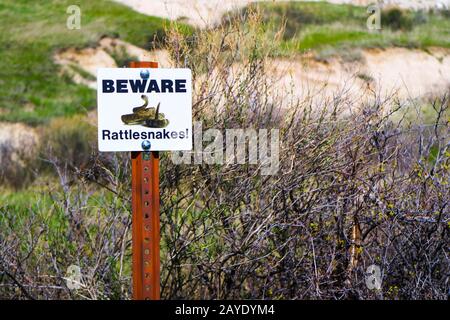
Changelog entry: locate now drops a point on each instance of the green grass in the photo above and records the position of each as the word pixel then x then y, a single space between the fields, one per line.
pixel 33 90
pixel 25 199
pixel 37 202
pixel 318 26
pixel 32 31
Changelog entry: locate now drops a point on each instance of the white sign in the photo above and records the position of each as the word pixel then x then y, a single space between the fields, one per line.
pixel 143 106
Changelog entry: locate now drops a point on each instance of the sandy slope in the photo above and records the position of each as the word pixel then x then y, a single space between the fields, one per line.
pixel 89 59
pixel 398 72
pixel 412 73
pixel 201 13
pixel 204 13
pixel 408 73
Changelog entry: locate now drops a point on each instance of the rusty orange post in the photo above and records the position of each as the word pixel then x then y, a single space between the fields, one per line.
pixel 146 231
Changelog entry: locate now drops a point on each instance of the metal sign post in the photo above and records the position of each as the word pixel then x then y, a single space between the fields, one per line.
pixel 145 205
pixel 162 123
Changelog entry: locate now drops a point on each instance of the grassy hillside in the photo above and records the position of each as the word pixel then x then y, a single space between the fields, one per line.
pixel 30 88
pixel 227 231
pixel 33 91
pixel 313 25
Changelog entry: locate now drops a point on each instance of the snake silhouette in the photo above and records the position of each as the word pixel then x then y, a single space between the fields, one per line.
pixel 149 117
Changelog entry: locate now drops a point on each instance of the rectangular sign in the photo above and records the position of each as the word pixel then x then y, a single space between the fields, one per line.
pixel 144 107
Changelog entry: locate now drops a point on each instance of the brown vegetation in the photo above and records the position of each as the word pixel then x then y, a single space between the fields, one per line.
pixel 354 189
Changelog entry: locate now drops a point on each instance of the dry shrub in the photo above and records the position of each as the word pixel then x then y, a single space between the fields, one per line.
pixel 354 189
pixel 18 151
pixel 69 140
pixel 14 166
pixel 75 223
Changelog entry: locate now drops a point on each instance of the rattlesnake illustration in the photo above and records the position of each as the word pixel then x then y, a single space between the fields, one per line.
pixel 149 117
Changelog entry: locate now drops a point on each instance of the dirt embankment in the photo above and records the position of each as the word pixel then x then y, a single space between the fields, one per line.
pixel 82 64
pixel 401 72
pixel 205 13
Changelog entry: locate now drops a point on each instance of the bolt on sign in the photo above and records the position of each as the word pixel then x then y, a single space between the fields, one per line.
pixel 144 109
